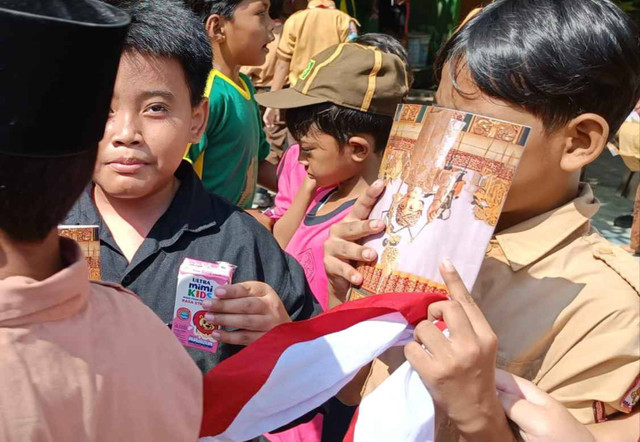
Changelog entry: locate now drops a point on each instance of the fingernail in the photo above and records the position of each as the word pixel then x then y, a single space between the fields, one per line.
pixel 215 334
pixel 448 265
pixel 355 279
pixel 209 317
pixel 220 291
pixel 207 304
pixel 375 224
pixel 368 254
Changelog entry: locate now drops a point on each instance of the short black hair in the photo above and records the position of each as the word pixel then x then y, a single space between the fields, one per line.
pixel 204 8
pixel 556 59
pixel 388 44
pixel 37 193
pixel 166 28
pixel 340 122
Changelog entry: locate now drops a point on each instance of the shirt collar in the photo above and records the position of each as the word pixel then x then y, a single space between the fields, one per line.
pixel 527 242
pixel 24 300
pixel 191 210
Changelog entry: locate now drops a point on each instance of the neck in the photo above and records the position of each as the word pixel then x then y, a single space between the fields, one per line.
pixel 140 213
pixel 358 183
pixel 533 209
pixel 38 260
pixel 223 62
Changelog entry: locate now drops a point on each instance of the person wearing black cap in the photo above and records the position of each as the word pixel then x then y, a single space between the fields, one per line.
pixel 76 355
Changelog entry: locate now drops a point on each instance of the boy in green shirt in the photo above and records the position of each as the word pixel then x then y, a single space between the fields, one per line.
pixel 231 156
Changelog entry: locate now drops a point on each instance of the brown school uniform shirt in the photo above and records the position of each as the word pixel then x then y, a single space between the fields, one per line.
pixel 311 31
pixel 88 361
pixel 565 306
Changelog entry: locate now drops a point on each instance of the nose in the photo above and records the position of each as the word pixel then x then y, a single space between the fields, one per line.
pixel 271 25
pixel 124 130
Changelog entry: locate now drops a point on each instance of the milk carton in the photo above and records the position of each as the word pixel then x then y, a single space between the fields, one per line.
pixel 196 282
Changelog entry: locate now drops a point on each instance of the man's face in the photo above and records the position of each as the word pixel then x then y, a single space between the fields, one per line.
pixel 540 163
pixel 151 122
pixel 249 32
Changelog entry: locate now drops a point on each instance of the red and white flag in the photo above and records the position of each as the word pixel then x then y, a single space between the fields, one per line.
pixel 298 366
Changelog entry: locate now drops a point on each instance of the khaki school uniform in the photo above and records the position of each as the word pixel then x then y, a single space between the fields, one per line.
pixel 565 306
pixel 88 361
pixel 311 31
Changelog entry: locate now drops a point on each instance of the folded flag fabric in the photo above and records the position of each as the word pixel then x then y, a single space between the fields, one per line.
pixel 298 366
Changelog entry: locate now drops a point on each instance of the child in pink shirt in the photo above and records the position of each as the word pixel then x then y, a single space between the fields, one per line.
pixel 341 111
pixel 340 150
pixel 307 242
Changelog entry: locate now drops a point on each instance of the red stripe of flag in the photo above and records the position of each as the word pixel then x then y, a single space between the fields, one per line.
pixel 230 385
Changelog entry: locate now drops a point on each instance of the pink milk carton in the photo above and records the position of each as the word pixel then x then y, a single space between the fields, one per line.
pixel 196 282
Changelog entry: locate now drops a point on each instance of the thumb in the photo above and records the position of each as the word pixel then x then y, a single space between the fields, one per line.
pixel 519 410
pixel 520 387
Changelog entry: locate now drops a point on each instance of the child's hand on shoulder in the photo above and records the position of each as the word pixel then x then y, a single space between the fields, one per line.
pixel 250 308
pixel 540 418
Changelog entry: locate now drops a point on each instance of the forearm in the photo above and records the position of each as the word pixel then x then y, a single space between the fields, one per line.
pixel 263 219
pixel 268 175
pixel 621 428
pixel 493 427
pixel 280 74
pixel 286 226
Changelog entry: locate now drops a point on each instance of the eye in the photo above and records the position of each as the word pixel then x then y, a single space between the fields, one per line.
pixel 158 108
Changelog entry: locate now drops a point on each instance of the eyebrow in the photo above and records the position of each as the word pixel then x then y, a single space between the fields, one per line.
pixel 157 93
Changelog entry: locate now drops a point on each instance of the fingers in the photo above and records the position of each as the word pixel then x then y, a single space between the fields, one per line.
pixel 458 292
pixel 244 306
pixel 242 290
pixel 239 337
pixel 455 317
pixel 432 338
pixel 338 269
pixel 519 387
pixel 365 202
pixel 519 410
pixel 355 230
pixel 261 323
pixel 419 359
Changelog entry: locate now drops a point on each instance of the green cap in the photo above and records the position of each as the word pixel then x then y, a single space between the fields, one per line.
pixel 350 75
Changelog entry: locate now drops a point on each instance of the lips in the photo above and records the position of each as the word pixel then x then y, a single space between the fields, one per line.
pixel 126 165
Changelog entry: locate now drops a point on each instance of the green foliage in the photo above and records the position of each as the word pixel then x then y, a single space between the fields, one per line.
pixel 631 7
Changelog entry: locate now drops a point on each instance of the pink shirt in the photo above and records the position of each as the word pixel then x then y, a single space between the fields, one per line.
pixel 307 244
pixel 88 361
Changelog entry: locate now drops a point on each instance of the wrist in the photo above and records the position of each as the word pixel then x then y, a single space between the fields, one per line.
pixel 488 424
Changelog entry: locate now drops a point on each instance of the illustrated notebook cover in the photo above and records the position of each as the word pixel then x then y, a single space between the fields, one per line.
pixel 88 237
pixel 447 175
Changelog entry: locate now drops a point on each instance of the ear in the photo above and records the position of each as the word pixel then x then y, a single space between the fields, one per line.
pixel 215 28
pixel 361 147
pixel 199 119
pixel 586 136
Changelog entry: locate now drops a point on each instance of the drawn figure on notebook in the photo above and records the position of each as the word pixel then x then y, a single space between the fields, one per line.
pixel 445 194
pixel 487 200
pixel 396 162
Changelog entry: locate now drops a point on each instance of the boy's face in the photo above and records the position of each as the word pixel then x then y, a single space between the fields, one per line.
pixel 539 173
pixel 249 32
pixel 325 162
pixel 150 123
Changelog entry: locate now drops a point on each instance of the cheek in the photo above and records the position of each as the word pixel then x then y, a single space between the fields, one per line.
pixel 167 142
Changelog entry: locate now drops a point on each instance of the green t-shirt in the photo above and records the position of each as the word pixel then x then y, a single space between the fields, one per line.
pixel 234 143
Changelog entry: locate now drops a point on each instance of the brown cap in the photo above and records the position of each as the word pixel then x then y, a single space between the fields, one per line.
pixel 350 75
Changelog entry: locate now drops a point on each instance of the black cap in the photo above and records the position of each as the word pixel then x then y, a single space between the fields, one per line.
pixel 58 63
